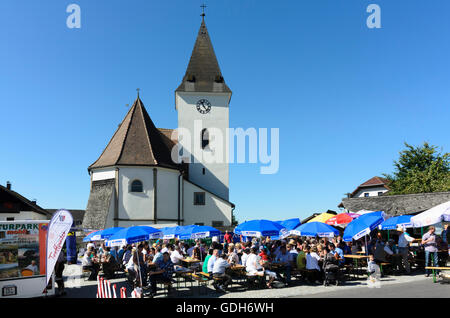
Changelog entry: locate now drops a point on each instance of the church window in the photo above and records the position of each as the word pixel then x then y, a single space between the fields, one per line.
pixel 199 198
pixel 136 186
pixel 205 138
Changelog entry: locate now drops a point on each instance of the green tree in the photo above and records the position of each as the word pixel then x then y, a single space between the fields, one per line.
pixel 420 169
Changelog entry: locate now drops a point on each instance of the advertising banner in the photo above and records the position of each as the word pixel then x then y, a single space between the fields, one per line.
pixel 58 229
pixel 21 254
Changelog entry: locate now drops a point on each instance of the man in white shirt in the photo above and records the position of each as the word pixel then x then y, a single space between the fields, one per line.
pixel 403 247
pixel 176 256
pixel 212 260
pixel 33 267
pixel 220 265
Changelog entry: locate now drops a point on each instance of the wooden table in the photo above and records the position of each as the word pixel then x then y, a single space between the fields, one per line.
pixel 434 268
pixel 356 258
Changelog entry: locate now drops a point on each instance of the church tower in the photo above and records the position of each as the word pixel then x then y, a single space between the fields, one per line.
pixel 202 102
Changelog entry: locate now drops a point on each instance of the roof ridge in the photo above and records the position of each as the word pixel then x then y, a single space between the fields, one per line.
pixel 133 109
pixel 146 132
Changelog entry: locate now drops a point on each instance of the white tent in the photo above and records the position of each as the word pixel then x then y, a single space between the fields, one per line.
pixel 437 214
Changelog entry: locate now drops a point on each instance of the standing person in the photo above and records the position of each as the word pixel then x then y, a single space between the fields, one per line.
pixel 139 265
pixel 446 235
pixel 228 238
pixel 403 248
pixel 429 243
pixel 59 268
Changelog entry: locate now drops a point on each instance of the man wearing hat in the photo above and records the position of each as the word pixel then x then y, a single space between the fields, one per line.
pixel 403 247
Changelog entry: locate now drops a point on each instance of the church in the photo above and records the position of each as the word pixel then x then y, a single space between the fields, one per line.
pixel 135 180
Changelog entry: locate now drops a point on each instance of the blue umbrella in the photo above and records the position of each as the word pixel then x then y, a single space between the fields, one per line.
pixel 258 228
pixel 363 225
pixel 395 222
pixel 315 229
pixel 133 234
pixel 290 224
pixel 93 236
pixel 107 233
pixel 198 231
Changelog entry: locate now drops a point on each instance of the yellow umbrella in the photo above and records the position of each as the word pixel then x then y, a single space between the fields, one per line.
pixel 321 217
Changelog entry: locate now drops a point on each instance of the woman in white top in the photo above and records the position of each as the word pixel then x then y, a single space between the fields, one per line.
pixel 312 264
pixel 253 267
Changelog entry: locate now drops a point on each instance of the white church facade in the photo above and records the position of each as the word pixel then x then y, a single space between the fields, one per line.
pixel 136 182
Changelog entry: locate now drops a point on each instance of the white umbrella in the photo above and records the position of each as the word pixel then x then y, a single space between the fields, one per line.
pixel 437 214
pixel 362 212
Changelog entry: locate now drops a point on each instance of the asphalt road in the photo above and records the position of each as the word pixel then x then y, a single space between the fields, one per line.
pixel 419 289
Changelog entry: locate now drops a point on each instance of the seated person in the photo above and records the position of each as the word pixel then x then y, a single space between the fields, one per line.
pixel 338 253
pixel 205 263
pixel 312 264
pixel 233 258
pixel 284 258
pixel 211 260
pixel 176 256
pixel 220 265
pixel 109 264
pixel 163 273
pixel 330 260
pixel 88 264
pixel 301 258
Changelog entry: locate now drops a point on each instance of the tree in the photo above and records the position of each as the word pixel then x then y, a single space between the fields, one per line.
pixel 420 169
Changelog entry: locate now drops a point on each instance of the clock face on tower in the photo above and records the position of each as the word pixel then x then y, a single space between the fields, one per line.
pixel 203 106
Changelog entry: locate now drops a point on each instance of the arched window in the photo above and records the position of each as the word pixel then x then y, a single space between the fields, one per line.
pixel 136 186
pixel 205 138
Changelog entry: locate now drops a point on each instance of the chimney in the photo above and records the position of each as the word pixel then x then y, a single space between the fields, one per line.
pixel 34 201
pixel 8 185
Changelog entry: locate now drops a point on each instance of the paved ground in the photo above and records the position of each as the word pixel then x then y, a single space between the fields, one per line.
pixel 413 286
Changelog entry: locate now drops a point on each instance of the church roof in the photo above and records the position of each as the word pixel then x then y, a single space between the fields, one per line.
pixel 137 142
pixel 203 72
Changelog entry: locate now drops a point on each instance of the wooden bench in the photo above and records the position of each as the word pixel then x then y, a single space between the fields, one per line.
pixel 435 268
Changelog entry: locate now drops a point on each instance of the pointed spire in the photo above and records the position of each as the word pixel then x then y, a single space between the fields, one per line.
pixel 136 142
pixel 203 72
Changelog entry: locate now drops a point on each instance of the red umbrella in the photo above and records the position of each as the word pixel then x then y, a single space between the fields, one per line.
pixel 342 218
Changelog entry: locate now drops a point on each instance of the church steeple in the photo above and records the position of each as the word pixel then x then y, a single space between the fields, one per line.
pixel 203 72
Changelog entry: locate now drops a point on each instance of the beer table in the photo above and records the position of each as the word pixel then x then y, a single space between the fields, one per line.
pixel 434 268
pixel 356 258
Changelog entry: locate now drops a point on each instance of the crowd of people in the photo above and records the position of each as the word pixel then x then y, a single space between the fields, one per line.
pixel 148 263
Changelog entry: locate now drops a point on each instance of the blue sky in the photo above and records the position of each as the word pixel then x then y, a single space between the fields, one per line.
pixel 344 97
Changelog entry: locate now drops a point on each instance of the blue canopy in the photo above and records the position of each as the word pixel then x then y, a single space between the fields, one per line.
pixel 172 232
pixel 258 228
pixel 395 222
pixel 315 229
pixel 133 234
pixel 197 231
pixel 363 225
pixel 93 236
pixel 107 233
pixel 290 224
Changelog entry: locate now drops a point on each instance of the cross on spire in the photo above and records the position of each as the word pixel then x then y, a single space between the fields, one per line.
pixel 137 90
pixel 203 6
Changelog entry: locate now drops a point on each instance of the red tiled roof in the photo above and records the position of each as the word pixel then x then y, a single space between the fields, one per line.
pixel 375 181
